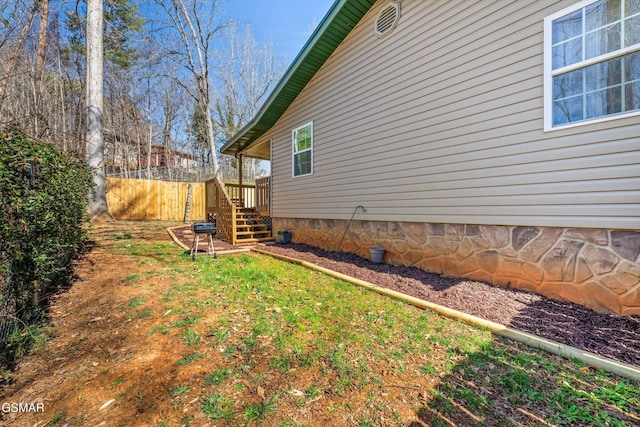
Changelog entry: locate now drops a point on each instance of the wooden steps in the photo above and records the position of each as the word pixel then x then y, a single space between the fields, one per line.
pixel 250 228
pixel 235 224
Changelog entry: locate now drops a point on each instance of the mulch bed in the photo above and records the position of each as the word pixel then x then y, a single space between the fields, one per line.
pixel 612 336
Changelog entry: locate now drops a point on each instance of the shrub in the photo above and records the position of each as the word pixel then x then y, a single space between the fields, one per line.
pixel 43 195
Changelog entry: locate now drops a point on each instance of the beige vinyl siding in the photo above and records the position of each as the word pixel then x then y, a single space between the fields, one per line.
pixel 442 121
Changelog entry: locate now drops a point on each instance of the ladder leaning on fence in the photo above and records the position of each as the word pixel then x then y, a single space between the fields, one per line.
pixel 187 209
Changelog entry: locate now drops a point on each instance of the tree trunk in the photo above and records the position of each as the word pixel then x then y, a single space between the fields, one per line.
pixel 213 156
pixel 166 135
pixel 39 67
pixel 98 209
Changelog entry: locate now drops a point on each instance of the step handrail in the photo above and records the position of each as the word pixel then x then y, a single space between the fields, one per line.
pixel 226 212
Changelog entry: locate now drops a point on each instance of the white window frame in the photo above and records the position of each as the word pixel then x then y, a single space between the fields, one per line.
pixel 549 73
pixel 294 152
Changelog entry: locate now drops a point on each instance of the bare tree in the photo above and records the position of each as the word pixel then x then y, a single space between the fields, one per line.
pixel 247 69
pixel 196 28
pixel 98 209
pixel 10 66
pixel 145 88
pixel 169 112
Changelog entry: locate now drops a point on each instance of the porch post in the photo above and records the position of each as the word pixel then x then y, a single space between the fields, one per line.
pixel 241 196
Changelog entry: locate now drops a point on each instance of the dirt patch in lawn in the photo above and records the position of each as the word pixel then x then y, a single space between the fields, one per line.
pixel 93 336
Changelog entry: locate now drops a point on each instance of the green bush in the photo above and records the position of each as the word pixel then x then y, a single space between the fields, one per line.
pixel 43 195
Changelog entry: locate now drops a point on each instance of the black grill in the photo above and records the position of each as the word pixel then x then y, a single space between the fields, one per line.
pixel 204 228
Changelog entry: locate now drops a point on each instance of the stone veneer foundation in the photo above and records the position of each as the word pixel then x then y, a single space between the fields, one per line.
pixel 597 268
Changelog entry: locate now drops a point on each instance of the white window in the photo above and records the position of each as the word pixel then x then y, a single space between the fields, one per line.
pixel 302 141
pixel 592 62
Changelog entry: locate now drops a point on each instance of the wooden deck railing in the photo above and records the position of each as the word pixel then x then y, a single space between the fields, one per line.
pixel 223 201
pixel 248 194
pixel 263 196
pixel 226 213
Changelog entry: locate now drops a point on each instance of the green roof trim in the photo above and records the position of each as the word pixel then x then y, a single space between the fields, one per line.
pixel 332 30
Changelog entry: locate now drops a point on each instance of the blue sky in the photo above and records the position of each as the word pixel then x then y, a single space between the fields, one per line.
pixel 288 23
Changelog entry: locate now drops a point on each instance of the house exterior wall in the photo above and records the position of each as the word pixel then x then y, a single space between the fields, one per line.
pixel 441 122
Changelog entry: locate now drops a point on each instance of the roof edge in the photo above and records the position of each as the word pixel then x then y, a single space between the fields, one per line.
pixel 233 146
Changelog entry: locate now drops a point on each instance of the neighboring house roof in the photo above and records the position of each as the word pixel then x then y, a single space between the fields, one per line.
pixel 332 30
pixel 155 149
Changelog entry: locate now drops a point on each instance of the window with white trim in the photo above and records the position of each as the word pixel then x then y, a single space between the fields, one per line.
pixel 302 141
pixel 592 62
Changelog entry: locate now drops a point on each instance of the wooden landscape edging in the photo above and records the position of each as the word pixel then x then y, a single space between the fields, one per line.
pixel 188 248
pixel 559 349
pixel 145 199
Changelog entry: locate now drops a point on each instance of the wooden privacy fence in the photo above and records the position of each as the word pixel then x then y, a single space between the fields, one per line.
pixel 135 199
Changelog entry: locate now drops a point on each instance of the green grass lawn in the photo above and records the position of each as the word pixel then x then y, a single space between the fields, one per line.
pixel 250 340
pixel 301 338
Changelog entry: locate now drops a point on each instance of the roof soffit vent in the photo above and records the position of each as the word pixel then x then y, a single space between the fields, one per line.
pixel 387 19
